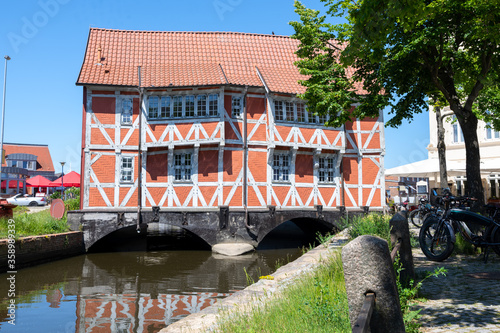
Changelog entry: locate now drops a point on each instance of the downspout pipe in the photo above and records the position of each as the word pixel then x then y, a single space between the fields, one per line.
pixel 139 156
pixel 245 158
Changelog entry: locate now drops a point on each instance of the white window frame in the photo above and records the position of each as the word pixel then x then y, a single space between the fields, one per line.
pixel 327 169
pixel 127 111
pixel 295 112
pixel 494 181
pixel 161 107
pixel 237 106
pixel 183 175
pixel 127 165
pixel 281 167
pixel 491 134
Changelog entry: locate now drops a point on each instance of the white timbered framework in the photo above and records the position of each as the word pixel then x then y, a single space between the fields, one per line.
pixel 109 144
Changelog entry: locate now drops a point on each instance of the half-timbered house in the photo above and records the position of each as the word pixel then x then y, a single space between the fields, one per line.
pixel 200 120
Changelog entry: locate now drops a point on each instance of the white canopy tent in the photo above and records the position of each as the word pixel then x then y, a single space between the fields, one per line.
pixel 426 169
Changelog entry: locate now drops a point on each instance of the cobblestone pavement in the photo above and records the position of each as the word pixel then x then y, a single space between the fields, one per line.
pixel 459 302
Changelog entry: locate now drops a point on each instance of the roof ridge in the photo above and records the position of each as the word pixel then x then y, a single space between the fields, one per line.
pixel 191 32
pixel 26 144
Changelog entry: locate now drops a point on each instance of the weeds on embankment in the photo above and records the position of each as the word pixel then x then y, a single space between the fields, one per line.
pixel 315 303
pixel 40 223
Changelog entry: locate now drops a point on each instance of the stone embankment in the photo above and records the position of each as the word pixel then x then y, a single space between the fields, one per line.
pixel 262 291
pixel 34 250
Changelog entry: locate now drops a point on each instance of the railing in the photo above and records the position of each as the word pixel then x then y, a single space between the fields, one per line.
pixel 362 324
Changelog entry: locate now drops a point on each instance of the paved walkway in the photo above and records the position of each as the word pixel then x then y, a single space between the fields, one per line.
pixel 459 302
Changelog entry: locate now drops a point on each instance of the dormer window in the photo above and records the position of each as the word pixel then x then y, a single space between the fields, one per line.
pixel 183 106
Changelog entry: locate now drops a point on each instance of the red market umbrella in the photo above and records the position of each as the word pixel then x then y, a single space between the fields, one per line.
pixel 71 179
pixel 38 181
pixel 12 184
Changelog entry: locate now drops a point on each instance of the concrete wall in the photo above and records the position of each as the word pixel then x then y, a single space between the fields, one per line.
pixel 35 250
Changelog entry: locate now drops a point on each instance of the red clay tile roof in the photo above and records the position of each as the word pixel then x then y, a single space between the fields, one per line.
pixel 44 160
pixel 190 59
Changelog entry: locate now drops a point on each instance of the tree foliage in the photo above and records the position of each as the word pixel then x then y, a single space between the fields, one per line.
pixel 403 54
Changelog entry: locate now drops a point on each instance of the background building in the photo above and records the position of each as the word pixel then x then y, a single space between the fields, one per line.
pixel 489 145
pixel 23 161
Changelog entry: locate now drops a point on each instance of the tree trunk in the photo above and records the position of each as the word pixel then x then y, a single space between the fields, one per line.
pixel 472 156
pixel 441 148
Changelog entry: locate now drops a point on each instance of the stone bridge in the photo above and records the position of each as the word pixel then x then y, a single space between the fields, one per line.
pixel 215 226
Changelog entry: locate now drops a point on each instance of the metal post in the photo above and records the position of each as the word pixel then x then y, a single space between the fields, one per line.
pixel 62 179
pixel 245 158
pixel 7 58
pixel 139 154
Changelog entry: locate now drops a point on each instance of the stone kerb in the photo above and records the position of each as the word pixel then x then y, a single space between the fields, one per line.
pixel 368 268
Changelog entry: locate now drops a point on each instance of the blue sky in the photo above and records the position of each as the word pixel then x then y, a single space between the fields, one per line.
pixel 46 40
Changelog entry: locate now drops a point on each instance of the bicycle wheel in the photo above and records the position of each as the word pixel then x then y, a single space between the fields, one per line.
pixel 417 217
pixel 437 245
pixel 494 237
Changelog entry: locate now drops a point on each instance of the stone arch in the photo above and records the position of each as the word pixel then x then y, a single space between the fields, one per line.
pixel 308 225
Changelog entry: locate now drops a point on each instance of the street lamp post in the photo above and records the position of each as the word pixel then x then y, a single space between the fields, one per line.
pixel 7 58
pixel 62 179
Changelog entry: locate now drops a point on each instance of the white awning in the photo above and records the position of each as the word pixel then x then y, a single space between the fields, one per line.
pixel 429 168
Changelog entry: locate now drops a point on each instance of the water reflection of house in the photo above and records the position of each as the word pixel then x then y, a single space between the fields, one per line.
pixel 137 313
pixel 23 161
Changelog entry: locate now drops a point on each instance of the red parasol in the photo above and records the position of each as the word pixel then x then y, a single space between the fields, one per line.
pixel 71 179
pixel 12 184
pixel 38 181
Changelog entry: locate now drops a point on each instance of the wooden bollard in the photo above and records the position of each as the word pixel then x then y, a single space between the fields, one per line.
pixel 368 268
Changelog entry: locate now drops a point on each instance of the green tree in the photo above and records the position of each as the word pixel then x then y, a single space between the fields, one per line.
pixel 402 53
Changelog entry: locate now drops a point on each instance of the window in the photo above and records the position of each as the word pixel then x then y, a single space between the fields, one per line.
pixel 213 105
pixel 236 106
pixel 153 107
pixel 177 106
pixel 165 106
pixel 491 133
pixel 311 118
pixel 278 110
pixel 127 109
pixel 322 119
pixel 458 136
pixel 182 166
pixel 202 105
pixel 188 106
pixel 301 113
pixel 281 167
pixel 289 112
pixel 326 169
pixel 494 185
pixel 127 169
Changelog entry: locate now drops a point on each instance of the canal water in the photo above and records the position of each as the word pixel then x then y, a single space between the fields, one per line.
pixel 143 290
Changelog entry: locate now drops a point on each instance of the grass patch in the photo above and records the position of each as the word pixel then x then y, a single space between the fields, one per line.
pixel 34 224
pixel 316 303
pixel 372 224
pixel 464 247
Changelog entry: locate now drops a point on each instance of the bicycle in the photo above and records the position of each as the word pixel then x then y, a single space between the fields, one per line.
pixel 419 215
pixel 437 235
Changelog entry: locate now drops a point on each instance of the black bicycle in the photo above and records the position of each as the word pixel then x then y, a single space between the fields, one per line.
pixel 437 235
pixel 422 212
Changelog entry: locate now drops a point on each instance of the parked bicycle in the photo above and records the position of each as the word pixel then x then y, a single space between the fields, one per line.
pixel 423 211
pixel 437 235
